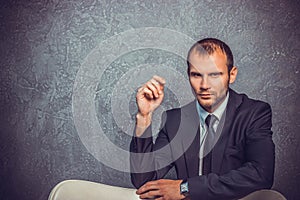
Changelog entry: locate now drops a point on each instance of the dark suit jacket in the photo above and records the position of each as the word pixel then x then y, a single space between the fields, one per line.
pixel 242 159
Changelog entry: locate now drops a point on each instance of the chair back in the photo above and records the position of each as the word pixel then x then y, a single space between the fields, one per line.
pixel 82 190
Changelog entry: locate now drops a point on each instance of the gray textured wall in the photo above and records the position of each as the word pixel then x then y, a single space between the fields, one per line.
pixel 44 43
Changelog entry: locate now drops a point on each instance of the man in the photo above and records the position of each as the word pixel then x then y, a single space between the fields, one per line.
pixel 220 145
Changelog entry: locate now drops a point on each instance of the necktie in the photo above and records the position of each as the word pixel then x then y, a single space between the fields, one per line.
pixel 209 140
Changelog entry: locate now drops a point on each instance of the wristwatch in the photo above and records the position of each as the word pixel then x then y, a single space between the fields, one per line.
pixel 184 188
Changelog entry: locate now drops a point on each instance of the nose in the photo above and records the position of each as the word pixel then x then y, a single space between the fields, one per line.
pixel 204 84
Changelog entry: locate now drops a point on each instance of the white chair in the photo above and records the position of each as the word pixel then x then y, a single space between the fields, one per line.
pixel 86 190
pixel 264 195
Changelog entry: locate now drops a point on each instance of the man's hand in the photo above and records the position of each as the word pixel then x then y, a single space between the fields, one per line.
pixel 162 189
pixel 148 98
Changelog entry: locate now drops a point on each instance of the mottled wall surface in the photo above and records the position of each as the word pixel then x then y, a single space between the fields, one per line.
pixel 44 43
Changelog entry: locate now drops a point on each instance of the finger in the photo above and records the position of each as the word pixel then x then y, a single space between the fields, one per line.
pixel 160 80
pixel 159 83
pixel 153 87
pixel 159 87
pixel 151 185
pixel 151 194
pixel 148 93
pixel 140 89
pixel 140 92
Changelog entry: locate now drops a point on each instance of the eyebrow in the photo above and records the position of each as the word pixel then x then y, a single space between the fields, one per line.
pixel 212 73
pixel 215 73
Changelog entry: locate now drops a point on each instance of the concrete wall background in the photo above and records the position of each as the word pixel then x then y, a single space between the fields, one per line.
pixel 44 43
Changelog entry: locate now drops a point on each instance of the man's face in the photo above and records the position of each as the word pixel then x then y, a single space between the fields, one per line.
pixel 209 78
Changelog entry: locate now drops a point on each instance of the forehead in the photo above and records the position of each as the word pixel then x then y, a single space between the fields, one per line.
pixel 215 61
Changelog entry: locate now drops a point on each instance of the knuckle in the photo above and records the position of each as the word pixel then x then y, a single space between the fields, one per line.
pixel 159 182
pixel 151 193
pixel 145 186
pixel 153 81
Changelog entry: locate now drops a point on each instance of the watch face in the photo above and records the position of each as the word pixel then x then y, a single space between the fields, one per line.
pixel 184 188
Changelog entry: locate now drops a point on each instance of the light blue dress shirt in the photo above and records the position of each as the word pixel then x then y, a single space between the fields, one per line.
pixel 203 128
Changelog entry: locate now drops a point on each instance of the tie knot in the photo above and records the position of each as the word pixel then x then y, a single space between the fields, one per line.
pixel 210 120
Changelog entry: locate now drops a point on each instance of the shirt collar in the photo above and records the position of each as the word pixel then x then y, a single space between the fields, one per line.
pixel 218 112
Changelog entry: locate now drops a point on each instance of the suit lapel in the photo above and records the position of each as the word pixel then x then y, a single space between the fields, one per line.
pixel 224 127
pixel 191 138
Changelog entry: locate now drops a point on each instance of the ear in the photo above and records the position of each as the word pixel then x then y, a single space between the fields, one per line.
pixel 233 73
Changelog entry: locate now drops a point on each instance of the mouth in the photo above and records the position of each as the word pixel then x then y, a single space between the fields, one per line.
pixel 205 95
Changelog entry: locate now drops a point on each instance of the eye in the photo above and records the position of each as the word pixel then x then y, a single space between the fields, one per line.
pixel 215 75
pixel 195 74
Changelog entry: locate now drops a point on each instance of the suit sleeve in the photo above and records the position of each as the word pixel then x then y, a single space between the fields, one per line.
pixel 256 172
pixel 149 161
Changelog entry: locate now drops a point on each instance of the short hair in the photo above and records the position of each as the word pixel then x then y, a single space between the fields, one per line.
pixel 210 45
